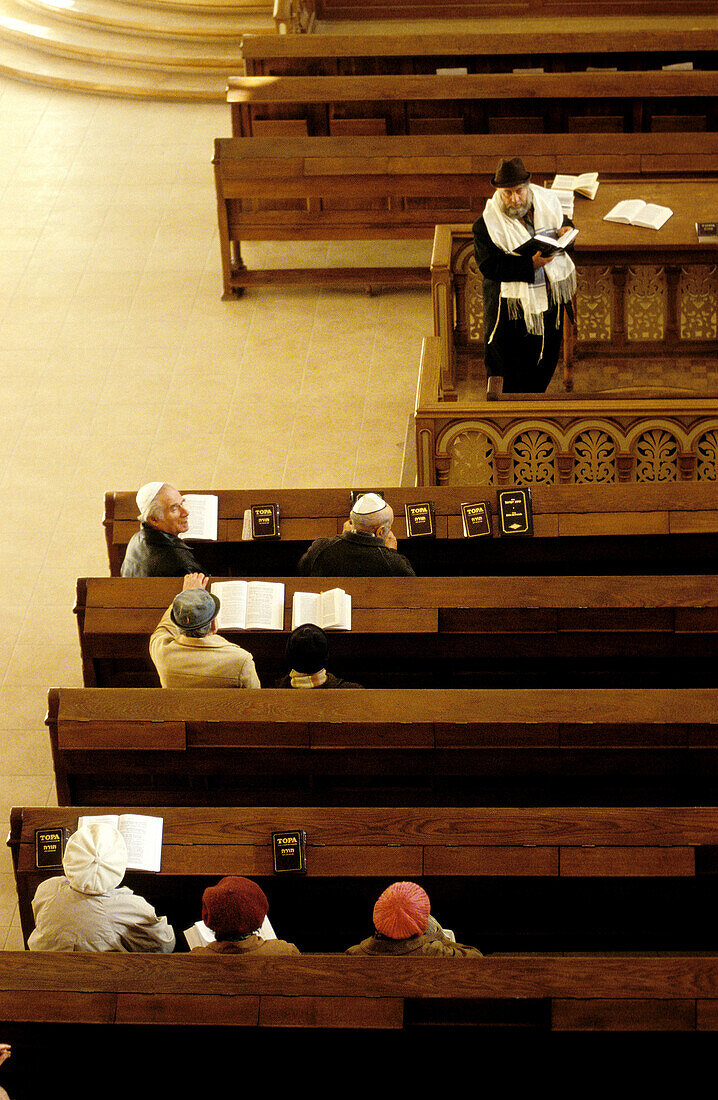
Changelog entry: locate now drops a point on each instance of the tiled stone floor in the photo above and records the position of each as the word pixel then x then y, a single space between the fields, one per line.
pixel 121 364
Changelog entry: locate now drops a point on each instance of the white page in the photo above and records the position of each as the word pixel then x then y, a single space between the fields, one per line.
pixel 93 819
pixel 266 931
pixel 265 605
pixel 563 183
pixel 199 935
pixel 232 596
pixel 247 535
pixel 678 66
pixel 203 510
pixel 529 71
pixel 331 608
pixel 458 71
pixel 653 216
pixel 305 609
pixel 143 837
pixel 624 211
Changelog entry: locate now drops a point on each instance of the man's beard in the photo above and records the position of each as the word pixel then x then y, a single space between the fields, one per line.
pixel 518 211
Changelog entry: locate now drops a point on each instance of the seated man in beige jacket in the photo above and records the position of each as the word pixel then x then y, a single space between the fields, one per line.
pixel 186 649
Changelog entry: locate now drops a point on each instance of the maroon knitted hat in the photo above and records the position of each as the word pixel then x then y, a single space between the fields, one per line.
pixel 234 907
pixel 402 911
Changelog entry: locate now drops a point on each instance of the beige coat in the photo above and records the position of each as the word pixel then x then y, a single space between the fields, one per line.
pixel 211 662
pixel 67 920
pixel 428 944
pixel 251 945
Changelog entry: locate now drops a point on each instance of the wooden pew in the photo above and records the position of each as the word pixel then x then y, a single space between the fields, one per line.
pixel 505 879
pixel 400 187
pixel 397 747
pixel 634 992
pixel 447 631
pixel 616 528
pixel 556 49
pixel 331 10
pixel 479 103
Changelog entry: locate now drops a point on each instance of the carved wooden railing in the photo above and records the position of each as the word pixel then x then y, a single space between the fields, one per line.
pixel 643 436
pixel 636 304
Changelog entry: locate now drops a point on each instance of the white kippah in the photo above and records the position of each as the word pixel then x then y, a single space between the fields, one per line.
pixel 95 858
pixel 146 495
pixel 370 502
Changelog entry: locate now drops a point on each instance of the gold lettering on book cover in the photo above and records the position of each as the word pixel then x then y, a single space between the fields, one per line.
pixel 594 458
pixel 707 455
pixel 698 302
pixel 533 458
pixel 656 456
pixel 593 303
pixel 472 460
pixel 645 298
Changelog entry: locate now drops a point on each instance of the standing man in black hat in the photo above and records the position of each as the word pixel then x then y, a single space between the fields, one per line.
pixel 524 294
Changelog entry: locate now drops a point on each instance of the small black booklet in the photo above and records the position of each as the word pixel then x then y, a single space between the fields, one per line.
pixel 515 512
pixel 290 850
pixel 547 241
pixel 420 520
pixel 265 521
pixel 476 519
pixel 50 846
pixel 707 232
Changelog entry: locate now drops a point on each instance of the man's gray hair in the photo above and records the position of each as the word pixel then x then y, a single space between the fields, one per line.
pixel 201 632
pixel 368 522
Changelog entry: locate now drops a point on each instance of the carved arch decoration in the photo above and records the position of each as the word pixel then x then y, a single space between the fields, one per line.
pixel 470 448
pixel 704 445
pixel 534 447
pixel 698 302
pixel 470 298
pixel 594 448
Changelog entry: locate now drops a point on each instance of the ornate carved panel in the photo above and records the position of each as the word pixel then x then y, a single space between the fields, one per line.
pixel 646 294
pixel 594 457
pixel 593 303
pixel 698 302
pixel 707 455
pixel 656 456
pixel 472 459
pixel 474 303
pixel 533 458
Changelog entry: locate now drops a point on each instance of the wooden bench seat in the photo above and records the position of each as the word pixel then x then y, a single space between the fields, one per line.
pixel 397 747
pixel 549 992
pixel 401 187
pixel 503 878
pixel 447 631
pixel 616 528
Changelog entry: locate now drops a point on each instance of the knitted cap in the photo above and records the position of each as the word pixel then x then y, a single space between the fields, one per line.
pixel 95 858
pixel 307 649
pixel 368 503
pixel 402 911
pixel 234 907
pixel 146 495
pixel 194 608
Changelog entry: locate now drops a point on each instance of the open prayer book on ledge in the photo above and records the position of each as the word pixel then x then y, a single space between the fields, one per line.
pixel 249 605
pixel 203 510
pixel 647 215
pixel 331 610
pixel 585 184
pixel 141 834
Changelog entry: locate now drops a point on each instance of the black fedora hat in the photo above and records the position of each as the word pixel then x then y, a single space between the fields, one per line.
pixel 510 173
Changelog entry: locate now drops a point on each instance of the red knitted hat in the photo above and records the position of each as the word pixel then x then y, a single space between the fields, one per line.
pixel 402 911
pixel 234 907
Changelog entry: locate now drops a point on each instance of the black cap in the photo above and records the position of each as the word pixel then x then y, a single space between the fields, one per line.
pixel 510 173
pixel 307 649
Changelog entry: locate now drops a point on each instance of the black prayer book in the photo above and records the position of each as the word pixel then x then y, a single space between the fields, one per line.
pixel 420 520
pixel 289 850
pixel 50 846
pixel 476 520
pixel 515 512
pixel 265 521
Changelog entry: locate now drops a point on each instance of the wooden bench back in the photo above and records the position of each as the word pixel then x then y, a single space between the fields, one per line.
pixel 447 631
pixel 467 747
pixel 480 103
pixel 678 523
pixel 566 878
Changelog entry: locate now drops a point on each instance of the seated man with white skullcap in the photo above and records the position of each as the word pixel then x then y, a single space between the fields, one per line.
pixel 365 548
pixel 403 926
pixel 86 909
pixel 188 652
pixel 156 549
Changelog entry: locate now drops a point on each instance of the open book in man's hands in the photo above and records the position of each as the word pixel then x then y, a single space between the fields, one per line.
pixel 547 241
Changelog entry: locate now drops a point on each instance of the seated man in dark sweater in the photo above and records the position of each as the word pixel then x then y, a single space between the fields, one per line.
pixel 365 548
pixel 157 550
pixel 306 656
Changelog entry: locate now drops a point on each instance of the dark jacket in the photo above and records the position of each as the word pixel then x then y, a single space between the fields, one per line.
pixel 353 554
pixel 153 553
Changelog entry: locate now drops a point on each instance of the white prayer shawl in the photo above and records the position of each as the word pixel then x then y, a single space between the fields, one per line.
pixel 531 300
